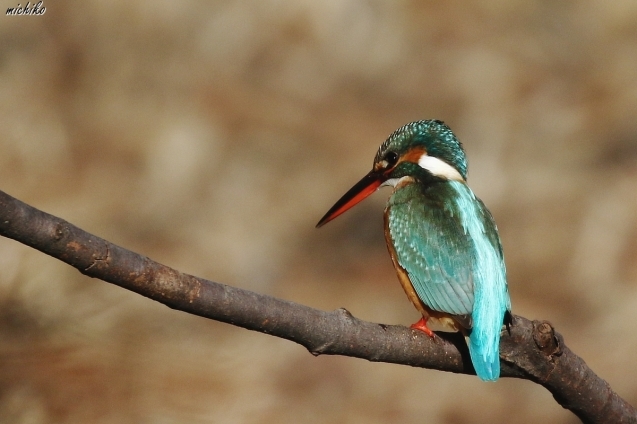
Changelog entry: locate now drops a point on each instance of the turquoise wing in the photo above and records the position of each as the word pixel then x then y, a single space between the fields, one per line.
pixel 433 247
pixel 447 242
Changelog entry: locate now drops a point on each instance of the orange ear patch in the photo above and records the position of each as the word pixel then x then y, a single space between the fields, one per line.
pixel 413 155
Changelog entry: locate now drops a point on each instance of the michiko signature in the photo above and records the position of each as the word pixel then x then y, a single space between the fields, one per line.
pixel 27 9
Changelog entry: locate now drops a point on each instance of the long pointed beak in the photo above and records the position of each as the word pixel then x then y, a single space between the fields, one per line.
pixel 366 186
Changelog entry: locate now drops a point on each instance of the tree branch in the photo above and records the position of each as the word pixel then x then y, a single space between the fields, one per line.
pixel 529 349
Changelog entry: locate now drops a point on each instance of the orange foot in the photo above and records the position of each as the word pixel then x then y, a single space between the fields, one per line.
pixel 422 326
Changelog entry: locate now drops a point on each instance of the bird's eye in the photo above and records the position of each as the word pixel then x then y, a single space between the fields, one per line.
pixel 391 158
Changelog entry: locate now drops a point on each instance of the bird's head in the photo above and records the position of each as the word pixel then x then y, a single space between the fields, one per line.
pixel 422 151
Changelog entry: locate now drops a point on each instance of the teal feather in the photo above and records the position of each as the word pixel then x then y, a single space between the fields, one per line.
pixel 435 136
pixel 447 241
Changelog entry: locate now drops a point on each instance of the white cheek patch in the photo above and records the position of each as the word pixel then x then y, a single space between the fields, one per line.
pixel 439 168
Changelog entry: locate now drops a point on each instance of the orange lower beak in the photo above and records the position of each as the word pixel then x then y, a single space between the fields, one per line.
pixel 366 186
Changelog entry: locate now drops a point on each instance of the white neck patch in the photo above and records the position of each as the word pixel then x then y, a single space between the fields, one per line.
pixel 439 168
pixel 394 182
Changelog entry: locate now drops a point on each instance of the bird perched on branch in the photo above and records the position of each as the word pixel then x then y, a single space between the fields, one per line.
pixel 442 239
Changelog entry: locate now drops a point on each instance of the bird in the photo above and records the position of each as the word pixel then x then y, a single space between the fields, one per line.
pixel 443 241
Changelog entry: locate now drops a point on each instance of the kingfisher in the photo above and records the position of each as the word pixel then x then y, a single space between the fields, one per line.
pixel 442 239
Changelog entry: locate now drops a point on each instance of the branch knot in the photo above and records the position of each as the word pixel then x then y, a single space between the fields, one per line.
pixel 545 339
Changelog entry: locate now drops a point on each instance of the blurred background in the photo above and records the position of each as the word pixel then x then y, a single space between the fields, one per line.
pixel 212 136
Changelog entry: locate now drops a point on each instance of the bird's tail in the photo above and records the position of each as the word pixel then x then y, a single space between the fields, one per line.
pixel 485 356
pixel 484 344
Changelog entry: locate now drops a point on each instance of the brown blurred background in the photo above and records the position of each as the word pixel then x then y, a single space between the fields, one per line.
pixel 212 136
